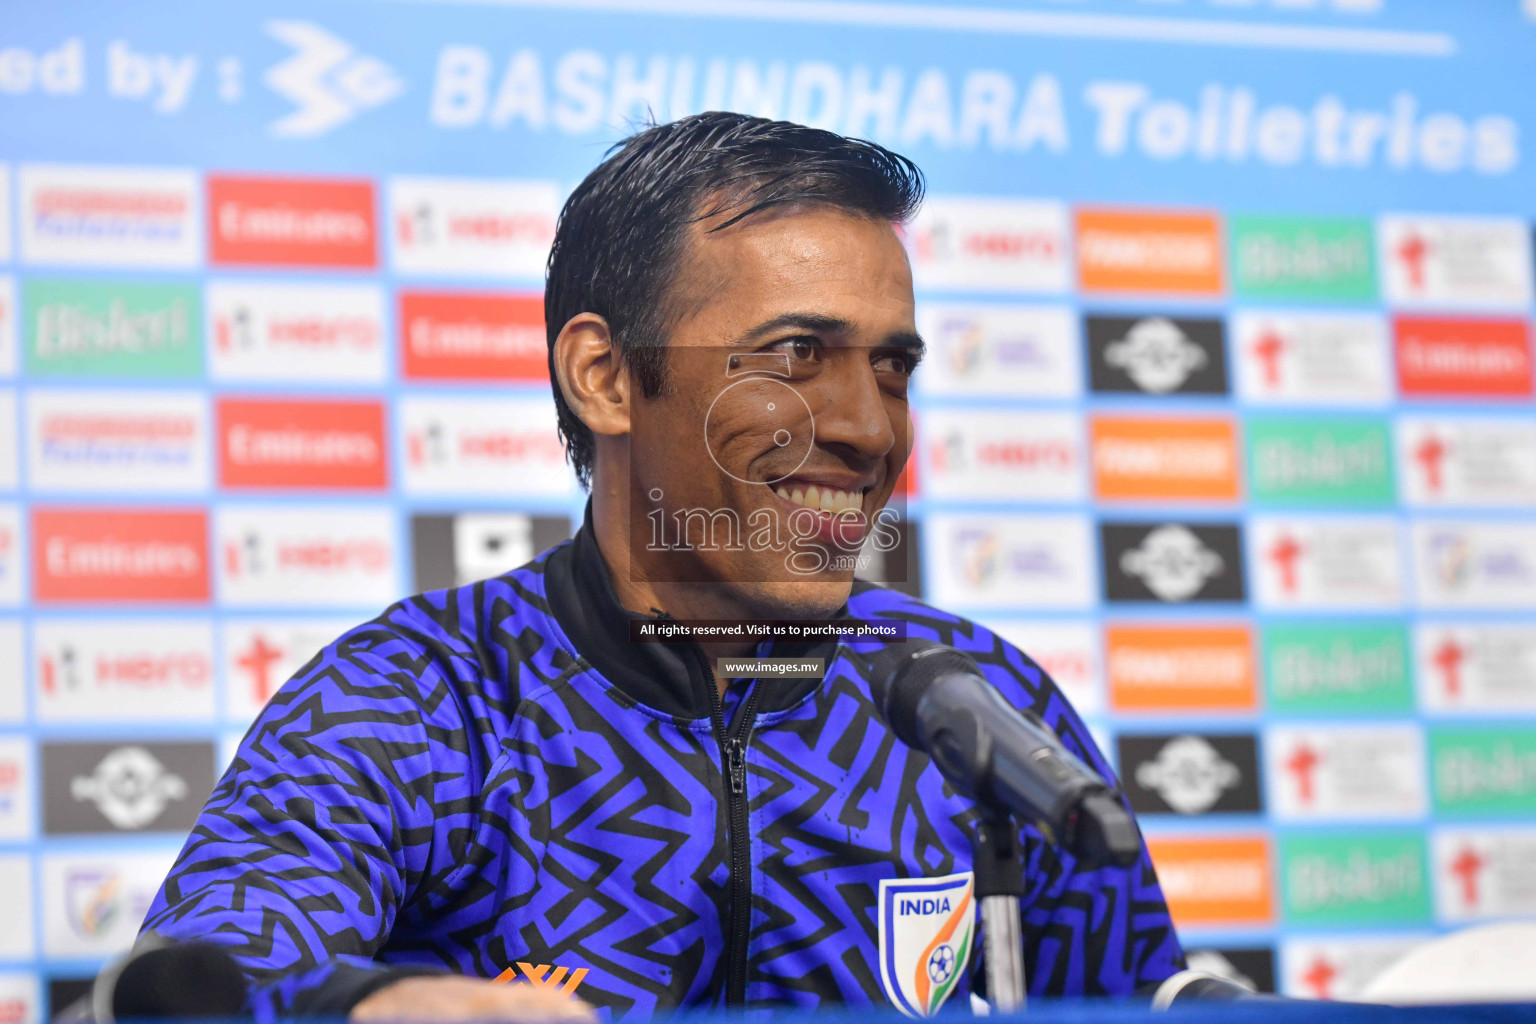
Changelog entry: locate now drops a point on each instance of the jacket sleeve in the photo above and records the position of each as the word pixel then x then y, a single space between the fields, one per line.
pixel 343 803
pixel 1099 932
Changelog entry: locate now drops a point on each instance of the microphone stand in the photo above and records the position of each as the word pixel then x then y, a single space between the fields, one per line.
pixel 999 868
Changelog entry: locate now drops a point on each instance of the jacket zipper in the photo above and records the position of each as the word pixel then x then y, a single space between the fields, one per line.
pixel 733 750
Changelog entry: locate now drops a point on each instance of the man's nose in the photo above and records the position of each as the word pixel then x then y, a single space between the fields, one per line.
pixel 851 412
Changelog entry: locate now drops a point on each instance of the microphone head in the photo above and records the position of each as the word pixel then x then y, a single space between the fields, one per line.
pixel 901 674
pixel 185 979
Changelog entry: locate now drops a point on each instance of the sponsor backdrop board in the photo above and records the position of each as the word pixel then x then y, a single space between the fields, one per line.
pixel 1228 415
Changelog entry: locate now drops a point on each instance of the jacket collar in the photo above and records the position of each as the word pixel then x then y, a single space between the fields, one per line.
pixel 674 678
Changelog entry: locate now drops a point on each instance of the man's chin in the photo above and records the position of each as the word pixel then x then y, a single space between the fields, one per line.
pixel 797 599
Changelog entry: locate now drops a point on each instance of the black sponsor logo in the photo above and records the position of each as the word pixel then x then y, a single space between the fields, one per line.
pixel 1191 773
pixel 1156 355
pixel 451 551
pixel 1172 562
pixel 127 786
pixel 1252 967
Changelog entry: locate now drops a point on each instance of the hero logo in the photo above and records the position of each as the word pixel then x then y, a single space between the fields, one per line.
pixel 309 558
pixel 1156 355
pixel 7 318
pixel 15 790
pixel 10 569
pixel 1034 456
pixel 325 79
pixel 293 331
pixel 130 787
pixel 990 245
pixel 473 227
pixel 1172 563
pixel 1189 774
pixel 1067 651
pixel 100 669
pixel 501 446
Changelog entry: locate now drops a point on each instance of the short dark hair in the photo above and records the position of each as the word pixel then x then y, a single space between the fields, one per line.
pixel 620 238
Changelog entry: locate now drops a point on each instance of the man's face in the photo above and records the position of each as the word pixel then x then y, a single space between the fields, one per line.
pixel 784 423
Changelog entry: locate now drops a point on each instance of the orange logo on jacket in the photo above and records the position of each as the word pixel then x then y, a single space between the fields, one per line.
pixel 545 976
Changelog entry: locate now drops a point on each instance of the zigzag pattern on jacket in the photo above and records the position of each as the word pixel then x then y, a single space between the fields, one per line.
pixel 452 785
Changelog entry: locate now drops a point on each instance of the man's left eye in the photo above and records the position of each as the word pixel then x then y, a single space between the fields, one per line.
pixel 799 348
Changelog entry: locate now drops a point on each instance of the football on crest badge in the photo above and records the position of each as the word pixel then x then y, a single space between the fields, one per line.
pixel 926 926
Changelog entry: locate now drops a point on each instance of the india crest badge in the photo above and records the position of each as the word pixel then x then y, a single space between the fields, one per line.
pixel 926 925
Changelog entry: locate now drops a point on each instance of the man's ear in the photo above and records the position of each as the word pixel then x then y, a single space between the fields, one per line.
pixel 591 375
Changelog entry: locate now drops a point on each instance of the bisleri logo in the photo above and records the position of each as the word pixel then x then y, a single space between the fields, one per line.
pixel 327 81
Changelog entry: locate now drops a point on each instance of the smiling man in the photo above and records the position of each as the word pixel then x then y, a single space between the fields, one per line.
pixel 493 802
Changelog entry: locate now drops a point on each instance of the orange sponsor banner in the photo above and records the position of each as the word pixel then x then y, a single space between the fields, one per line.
pixel 119 555
pixel 458 336
pixel 1454 356
pixel 325 445
pixel 1144 458
pixel 1147 251
pixel 291 222
pixel 1176 668
pixel 1215 880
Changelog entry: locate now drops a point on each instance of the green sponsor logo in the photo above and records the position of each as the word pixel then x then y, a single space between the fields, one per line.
pixel 1337 669
pixel 113 329
pixel 1299 258
pixel 1320 461
pixel 1373 878
pixel 1484 771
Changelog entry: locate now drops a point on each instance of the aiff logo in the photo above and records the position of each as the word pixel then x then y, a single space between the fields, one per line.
pixel 926 927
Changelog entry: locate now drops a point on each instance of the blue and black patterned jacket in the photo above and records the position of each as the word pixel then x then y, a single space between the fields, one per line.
pixel 493 780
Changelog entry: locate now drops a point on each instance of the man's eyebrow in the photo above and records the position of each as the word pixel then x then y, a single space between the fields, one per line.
pixel 818 322
pixel 821 323
pixel 908 340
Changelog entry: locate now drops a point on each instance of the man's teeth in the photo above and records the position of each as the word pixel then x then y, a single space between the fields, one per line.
pixel 827 499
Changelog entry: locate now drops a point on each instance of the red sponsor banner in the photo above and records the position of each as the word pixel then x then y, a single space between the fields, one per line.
pixel 325 445
pixel 308 222
pixel 459 336
pixel 1457 356
pixel 119 554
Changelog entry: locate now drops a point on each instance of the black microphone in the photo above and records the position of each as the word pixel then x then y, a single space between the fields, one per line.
pixel 936 700
pixel 162 980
